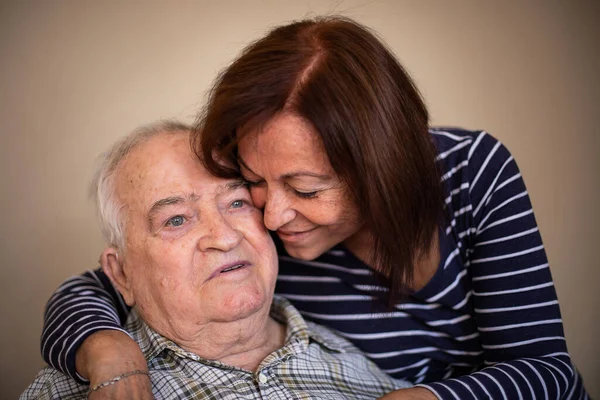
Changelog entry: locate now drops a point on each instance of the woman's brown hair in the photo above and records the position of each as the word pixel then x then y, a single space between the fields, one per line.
pixel 338 76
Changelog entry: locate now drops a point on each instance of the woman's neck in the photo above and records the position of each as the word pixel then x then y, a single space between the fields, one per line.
pixel 362 245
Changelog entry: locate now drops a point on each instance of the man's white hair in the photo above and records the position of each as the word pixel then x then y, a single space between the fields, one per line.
pixel 102 189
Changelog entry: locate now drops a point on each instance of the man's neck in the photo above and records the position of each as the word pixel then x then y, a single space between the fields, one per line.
pixel 243 344
pixel 250 358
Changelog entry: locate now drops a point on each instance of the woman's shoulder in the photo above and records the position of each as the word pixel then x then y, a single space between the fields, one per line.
pixel 464 155
pixel 462 143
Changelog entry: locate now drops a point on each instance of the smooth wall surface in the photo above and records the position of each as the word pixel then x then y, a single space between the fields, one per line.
pixel 76 75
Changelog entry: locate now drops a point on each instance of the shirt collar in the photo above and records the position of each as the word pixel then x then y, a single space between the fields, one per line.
pixel 297 329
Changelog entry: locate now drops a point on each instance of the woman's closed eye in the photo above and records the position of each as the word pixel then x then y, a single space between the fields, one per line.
pixel 299 193
pixel 305 195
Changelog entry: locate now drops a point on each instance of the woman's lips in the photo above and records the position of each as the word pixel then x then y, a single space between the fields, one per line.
pixel 294 236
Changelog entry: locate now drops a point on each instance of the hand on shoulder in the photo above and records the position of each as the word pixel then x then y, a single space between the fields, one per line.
pixel 107 354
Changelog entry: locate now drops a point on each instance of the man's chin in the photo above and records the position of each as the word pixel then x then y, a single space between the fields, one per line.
pixel 243 304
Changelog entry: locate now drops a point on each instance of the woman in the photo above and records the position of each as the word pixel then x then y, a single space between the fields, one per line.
pixel 417 244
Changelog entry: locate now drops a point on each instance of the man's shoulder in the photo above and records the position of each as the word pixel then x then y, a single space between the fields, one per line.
pixel 53 384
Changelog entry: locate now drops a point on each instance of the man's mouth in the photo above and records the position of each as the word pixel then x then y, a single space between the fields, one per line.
pixel 233 268
pixel 230 268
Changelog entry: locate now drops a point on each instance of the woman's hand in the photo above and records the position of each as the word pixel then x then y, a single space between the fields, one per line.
pixel 107 354
pixel 414 393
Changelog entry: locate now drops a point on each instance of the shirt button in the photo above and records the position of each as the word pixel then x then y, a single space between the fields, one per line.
pixel 262 378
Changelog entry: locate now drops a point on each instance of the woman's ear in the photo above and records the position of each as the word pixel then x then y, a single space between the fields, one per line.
pixel 112 266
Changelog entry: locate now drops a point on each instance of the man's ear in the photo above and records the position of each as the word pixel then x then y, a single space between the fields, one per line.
pixel 112 266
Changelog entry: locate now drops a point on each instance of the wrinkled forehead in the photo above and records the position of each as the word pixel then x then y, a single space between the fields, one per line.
pixel 162 166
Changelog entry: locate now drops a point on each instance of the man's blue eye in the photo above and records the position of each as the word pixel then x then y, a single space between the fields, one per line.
pixel 237 204
pixel 178 220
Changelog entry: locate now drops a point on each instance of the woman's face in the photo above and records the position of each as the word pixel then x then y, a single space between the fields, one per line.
pixel 291 177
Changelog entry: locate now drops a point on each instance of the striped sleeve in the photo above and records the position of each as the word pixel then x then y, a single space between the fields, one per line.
pixel 513 297
pixel 81 306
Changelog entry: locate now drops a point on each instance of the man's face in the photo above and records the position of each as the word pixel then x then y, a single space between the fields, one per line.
pixel 196 250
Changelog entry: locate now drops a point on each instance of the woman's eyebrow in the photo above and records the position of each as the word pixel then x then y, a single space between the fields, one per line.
pixel 290 175
pixel 298 174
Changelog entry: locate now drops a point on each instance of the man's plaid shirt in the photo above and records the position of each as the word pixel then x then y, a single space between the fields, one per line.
pixel 314 363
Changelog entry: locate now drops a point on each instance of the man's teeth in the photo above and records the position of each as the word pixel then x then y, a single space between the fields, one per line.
pixel 232 268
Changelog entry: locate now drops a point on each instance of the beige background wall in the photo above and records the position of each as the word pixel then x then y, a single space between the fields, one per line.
pixel 76 75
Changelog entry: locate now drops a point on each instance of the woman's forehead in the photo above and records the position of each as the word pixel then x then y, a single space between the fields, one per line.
pixel 284 134
pixel 284 158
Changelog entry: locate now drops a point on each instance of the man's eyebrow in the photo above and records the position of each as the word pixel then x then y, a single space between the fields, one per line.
pixel 233 185
pixel 167 201
pixel 291 175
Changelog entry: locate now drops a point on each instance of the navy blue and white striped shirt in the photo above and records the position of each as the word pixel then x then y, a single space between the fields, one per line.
pixel 487 325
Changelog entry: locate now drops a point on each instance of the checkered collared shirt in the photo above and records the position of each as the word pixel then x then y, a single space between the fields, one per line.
pixel 314 363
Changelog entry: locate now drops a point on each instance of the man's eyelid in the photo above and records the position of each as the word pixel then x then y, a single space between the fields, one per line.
pixel 159 220
pixel 162 218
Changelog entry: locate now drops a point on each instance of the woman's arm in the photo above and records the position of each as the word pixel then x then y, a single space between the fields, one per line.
pixel 81 306
pixel 512 293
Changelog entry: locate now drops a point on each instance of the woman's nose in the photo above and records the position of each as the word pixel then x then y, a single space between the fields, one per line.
pixel 278 210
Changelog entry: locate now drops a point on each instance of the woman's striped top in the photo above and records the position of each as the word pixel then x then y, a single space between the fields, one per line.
pixel 487 325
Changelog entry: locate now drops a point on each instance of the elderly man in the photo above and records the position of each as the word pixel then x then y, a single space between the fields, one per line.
pixel 190 253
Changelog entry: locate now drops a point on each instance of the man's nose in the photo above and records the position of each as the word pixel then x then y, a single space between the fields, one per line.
pixel 278 210
pixel 218 233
